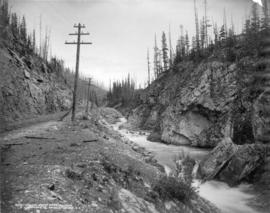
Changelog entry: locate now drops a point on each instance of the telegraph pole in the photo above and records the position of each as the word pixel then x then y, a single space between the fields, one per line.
pixel 78 43
pixel 148 66
pixel 88 97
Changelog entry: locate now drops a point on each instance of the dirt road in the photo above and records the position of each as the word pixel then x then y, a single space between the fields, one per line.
pixel 62 167
pixel 84 166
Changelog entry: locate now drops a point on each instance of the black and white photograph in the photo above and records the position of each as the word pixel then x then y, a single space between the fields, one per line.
pixel 134 106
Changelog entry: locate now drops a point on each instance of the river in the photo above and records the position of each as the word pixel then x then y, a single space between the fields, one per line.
pixel 227 199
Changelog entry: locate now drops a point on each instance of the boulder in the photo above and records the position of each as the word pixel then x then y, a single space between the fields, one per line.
pixel 133 204
pixel 154 137
pixel 232 163
pixel 243 163
pixel 183 129
pixel 26 74
pixel 215 161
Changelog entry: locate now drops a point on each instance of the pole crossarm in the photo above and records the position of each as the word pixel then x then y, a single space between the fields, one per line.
pixel 79 26
pixel 77 43
pixel 86 42
pixel 75 34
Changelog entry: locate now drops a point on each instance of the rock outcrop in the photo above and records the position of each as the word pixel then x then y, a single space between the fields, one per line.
pixel 28 88
pixel 261 118
pixel 191 105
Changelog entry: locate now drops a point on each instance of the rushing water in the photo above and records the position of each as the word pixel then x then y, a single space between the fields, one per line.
pixel 228 199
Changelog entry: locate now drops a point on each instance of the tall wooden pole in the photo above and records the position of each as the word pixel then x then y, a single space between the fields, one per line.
pixel 74 102
pixel 88 97
pixel 78 43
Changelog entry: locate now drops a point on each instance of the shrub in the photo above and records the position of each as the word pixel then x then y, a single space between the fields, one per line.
pixel 184 167
pixel 169 188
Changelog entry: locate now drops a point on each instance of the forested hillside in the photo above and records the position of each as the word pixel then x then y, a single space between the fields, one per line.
pixel 209 89
pixel 215 95
pixel 33 82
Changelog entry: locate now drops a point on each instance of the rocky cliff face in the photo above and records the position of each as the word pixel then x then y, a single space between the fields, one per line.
pixel 28 88
pixel 190 105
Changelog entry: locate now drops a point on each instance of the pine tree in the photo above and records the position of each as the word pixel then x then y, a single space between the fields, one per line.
pixel 170 44
pixel 225 27
pixel 255 20
pixel 165 52
pixel 222 33
pixel 23 32
pixel 265 19
pixel 197 27
pixel 148 68
pixel 182 41
pixel 206 24
pixel 187 43
pixel 14 25
pixel 156 58
pixel 34 41
pixel 202 33
pixel 4 14
pixel 216 34
pixel 159 63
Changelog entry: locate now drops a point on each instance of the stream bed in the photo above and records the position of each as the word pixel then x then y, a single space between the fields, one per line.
pixel 227 199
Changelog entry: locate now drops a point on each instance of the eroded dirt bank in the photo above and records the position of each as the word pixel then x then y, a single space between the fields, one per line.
pixel 82 167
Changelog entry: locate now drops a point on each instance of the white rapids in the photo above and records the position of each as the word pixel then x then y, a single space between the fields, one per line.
pixel 227 199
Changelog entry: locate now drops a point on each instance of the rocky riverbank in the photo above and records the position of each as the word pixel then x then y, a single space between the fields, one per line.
pixel 83 167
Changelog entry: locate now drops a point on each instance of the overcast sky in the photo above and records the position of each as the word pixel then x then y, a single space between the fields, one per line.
pixel 121 30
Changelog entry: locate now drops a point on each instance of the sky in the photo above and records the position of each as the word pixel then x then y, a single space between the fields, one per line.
pixel 121 30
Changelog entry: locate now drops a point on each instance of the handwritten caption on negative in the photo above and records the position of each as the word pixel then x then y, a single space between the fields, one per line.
pixel 28 206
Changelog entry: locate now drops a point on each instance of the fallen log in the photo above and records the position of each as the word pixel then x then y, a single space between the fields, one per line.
pixel 39 137
pixel 89 141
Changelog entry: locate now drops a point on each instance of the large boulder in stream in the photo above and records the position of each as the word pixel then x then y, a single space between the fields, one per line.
pixel 232 163
pixel 244 161
pixel 212 164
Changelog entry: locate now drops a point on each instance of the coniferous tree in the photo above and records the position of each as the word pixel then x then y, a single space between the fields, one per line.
pixel 4 14
pixel 265 19
pixel 159 63
pixel 216 34
pixel 225 24
pixel 148 68
pixel 170 44
pixel 202 33
pixel 34 41
pixel 206 24
pixel 23 32
pixel 255 20
pixel 182 41
pixel 187 43
pixel 156 58
pixel 165 52
pixel 222 33
pixel 14 26
pixel 197 27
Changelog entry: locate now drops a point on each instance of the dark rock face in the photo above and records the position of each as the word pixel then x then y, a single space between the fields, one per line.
pixel 232 163
pixel 26 93
pixel 261 118
pixel 190 106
